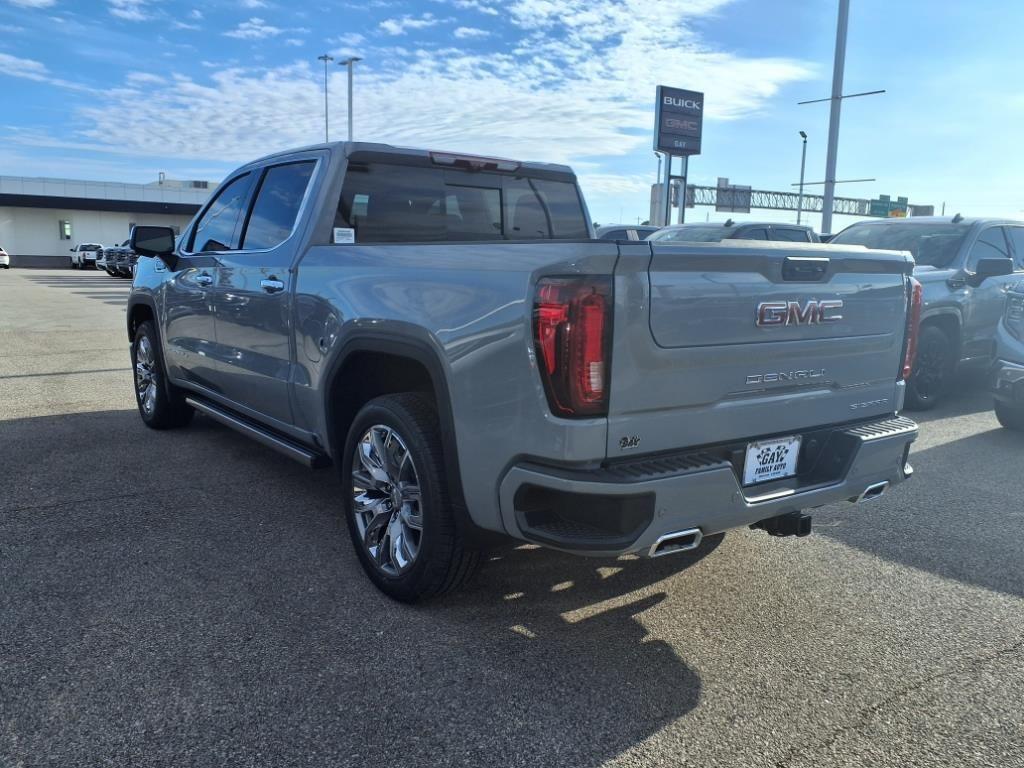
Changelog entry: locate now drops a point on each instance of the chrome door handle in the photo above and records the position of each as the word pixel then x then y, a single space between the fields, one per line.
pixel 204 280
pixel 272 285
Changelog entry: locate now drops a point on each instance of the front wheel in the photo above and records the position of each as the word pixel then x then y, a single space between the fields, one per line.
pixel 933 369
pixel 397 503
pixel 1010 416
pixel 161 404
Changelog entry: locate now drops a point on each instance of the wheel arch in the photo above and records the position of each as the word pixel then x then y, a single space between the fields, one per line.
pixel 139 310
pixel 948 322
pixel 390 362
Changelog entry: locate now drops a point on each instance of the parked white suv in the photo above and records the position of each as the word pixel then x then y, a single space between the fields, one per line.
pixel 85 255
pixel 5 259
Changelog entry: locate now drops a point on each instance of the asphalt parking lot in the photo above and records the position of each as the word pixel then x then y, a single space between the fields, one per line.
pixel 191 598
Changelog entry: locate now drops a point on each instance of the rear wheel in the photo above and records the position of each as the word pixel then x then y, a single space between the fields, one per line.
pixel 933 369
pixel 161 404
pixel 1009 415
pixel 397 503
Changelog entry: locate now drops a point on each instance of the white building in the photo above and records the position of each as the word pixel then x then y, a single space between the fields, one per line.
pixel 42 219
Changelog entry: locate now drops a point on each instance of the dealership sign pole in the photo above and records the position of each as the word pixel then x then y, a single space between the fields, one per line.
pixel 678 123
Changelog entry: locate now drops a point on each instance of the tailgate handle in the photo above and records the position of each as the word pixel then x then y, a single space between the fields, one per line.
pixel 804 269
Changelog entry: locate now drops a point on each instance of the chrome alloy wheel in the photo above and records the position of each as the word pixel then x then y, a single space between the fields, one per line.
pixel 386 500
pixel 145 374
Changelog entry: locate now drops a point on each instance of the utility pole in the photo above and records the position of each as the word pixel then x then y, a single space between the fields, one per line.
pixel 325 58
pixel 833 117
pixel 803 162
pixel 348 63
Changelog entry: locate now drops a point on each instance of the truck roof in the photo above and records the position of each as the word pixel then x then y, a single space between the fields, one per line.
pixel 352 147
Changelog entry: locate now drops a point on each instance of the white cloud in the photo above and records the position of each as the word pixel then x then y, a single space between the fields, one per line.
pixel 33 3
pixel 295 42
pixel 24 68
pixel 401 25
pixel 348 38
pixel 467 32
pixel 196 14
pixel 476 5
pixel 254 29
pixel 29 69
pixel 253 3
pixel 130 10
pixel 184 25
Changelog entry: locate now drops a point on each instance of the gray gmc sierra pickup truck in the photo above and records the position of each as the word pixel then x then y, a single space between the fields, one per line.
pixel 445 330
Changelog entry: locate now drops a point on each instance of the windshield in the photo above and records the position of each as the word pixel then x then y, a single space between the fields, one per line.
pixel 696 234
pixel 931 243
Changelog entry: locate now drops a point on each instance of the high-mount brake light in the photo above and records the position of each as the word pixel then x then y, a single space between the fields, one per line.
pixel 914 300
pixel 473 162
pixel 572 339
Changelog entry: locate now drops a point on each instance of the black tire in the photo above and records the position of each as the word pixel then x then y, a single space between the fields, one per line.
pixel 164 406
pixel 443 561
pixel 933 369
pixel 1009 415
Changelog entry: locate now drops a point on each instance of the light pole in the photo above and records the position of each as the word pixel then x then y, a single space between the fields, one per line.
pixel 348 63
pixel 803 161
pixel 833 117
pixel 325 58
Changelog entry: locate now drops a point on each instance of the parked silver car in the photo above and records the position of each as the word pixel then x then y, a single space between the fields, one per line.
pixel 965 266
pixel 443 329
pixel 1008 370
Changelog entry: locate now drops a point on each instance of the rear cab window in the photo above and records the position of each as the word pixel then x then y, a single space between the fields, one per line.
pixel 391 202
pixel 790 234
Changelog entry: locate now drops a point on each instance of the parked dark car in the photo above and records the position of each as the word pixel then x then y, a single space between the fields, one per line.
pixel 624 231
pixel 1008 371
pixel 731 230
pixel 965 266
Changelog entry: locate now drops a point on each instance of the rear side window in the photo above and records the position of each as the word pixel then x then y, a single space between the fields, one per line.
pixel 752 234
pixel 790 235
pixel 277 205
pixel 616 234
pixel 393 204
pixel 217 229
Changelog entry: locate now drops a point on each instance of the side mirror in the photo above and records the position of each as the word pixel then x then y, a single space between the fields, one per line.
pixel 990 267
pixel 153 241
pixel 71 249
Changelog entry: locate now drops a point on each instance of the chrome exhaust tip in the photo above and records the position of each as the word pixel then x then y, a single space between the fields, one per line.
pixel 874 491
pixel 677 541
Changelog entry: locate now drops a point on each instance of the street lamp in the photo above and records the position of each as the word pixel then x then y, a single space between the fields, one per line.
pixel 803 161
pixel 348 63
pixel 325 58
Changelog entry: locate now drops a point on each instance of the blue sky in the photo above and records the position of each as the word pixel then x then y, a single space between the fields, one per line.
pixel 124 89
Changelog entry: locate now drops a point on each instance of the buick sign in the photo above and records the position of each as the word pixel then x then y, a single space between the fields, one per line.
pixel 678 121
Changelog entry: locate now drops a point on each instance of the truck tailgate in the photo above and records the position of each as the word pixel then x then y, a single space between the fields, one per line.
pixel 721 342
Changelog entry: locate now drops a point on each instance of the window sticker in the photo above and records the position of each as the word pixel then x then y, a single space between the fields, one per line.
pixel 344 235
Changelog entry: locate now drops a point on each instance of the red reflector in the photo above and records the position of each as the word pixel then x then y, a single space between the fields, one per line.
pixel 913 328
pixel 572 338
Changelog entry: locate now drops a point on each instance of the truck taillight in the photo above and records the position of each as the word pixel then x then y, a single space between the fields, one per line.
pixel 572 339
pixel 913 328
pixel 1013 314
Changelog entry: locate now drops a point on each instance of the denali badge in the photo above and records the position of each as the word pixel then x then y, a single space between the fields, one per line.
pixel 791 313
pixel 771 378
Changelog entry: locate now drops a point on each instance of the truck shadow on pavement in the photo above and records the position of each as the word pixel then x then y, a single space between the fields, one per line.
pixel 960 516
pixel 193 598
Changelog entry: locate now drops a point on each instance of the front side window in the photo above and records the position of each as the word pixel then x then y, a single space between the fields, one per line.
pixel 217 229
pixel 991 244
pixel 277 205
pixel 1016 236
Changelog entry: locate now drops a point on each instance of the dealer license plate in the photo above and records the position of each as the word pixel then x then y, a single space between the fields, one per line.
pixel 771 460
